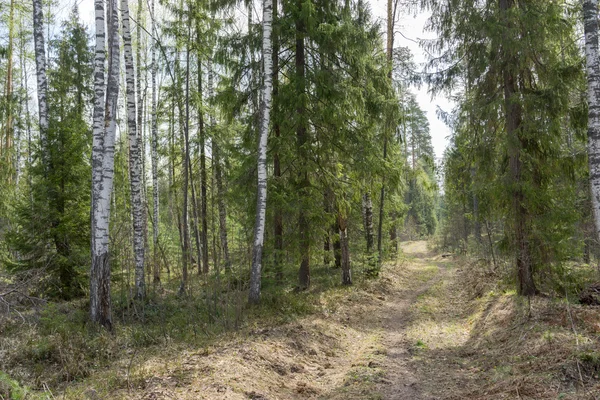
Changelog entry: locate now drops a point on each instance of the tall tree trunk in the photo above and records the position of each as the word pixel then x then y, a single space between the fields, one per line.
pixel 327 195
pixel 9 91
pixel 337 246
pixel 513 116
pixel 27 112
pixel 103 152
pixel 278 217
pixel 302 142
pixel 185 155
pixel 42 80
pixel 142 110
pixel 368 220
pixel 135 167
pixel 218 173
pixel 203 183
pixel 390 53
pixel 590 21
pixel 195 217
pixel 476 222
pixel 342 225
pixel 154 156
pixel 344 250
pixel 261 197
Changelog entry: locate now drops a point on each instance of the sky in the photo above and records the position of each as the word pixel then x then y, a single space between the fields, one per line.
pixel 410 25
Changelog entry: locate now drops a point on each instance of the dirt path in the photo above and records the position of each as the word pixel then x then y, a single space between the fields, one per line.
pixel 401 382
pixel 357 347
pixel 428 328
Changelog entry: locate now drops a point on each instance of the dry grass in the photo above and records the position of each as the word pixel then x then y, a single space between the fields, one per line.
pixel 485 343
pixel 460 336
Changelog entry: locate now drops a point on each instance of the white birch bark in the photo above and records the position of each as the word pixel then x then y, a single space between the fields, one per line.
pixel 154 156
pixel 261 198
pixel 590 22
pixel 42 81
pixel 135 167
pixel 103 152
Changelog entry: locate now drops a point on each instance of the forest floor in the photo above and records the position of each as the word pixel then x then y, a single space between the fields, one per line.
pixel 430 327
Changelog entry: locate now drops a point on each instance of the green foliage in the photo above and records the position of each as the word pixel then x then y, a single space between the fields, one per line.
pixel 51 217
pixel 11 390
pixel 480 185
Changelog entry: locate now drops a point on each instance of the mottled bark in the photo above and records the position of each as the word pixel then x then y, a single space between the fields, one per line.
pixel 103 148
pixel 154 156
pixel 590 21
pixel 135 159
pixel 261 197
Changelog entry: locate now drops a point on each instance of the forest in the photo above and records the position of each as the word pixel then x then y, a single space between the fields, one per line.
pixel 220 199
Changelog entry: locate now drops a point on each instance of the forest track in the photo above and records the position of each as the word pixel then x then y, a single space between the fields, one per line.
pixel 428 328
pixel 401 381
pixel 356 348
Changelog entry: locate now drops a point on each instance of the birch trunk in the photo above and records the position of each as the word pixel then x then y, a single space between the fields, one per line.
pixel 135 167
pixel 103 148
pixel 590 21
pixel 154 157
pixel 142 109
pixel 42 80
pixel 265 109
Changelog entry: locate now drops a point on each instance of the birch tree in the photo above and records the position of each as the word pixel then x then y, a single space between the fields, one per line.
pixel 590 22
pixel 154 156
pixel 103 158
pixel 261 198
pixel 135 167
